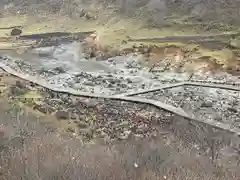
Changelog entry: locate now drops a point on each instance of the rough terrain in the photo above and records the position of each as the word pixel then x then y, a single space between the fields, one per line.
pixel 86 84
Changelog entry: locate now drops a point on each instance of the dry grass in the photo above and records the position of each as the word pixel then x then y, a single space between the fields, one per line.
pixel 54 158
pixel 32 150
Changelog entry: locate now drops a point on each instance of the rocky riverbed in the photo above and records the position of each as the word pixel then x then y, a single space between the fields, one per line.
pixel 65 66
pixel 202 102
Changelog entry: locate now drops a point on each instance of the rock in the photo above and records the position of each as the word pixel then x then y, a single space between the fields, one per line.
pixel 44 108
pixel 109 85
pixel 40 109
pixel 91 103
pixel 88 83
pixel 86 132
pixel 70 129
pixel 233 110
pixel 124 123
pixel 32 85
pixel 235 43
pixel 62 115
pixel 73 116
pixel 118 89
pixel 129 80
pixel 82 125
pixel 82 13
pixel 124 135
pixel 89 16
pixel 146 50
pixel 67 100
pixel 218 117
pixel 207 104
pixel 16 32
pixel 142 128
pixel 113 81
pixel 59 70
pixel 20 84
pixel 103 134
pixel 16 91
pixel 124 42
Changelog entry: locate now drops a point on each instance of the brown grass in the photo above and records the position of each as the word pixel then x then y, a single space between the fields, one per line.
pixel 29 150
pixel 53 158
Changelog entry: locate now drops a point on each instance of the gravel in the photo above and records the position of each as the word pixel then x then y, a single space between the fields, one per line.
pixel 65 67
pixel 101 118
pixel 110 77
pixel 117 120
pixel 204 103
